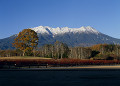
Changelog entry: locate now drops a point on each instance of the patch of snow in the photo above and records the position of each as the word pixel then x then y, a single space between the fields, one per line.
pixel 107 39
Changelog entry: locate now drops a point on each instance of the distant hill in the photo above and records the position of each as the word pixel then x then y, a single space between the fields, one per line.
pixel 84 36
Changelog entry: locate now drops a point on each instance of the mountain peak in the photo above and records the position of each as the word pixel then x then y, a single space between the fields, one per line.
pixel 91 29
pixel 83 36
pixel 62 30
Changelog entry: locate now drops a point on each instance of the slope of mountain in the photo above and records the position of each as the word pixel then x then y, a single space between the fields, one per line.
pixel 84 36
pixel 6 43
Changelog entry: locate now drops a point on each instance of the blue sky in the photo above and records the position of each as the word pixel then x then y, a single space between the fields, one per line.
pixel 16 15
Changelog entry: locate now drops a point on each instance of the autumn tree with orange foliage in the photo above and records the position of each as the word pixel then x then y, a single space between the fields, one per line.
pixel 27 40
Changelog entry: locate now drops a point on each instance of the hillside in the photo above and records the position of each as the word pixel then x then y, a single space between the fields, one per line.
pixel 84 36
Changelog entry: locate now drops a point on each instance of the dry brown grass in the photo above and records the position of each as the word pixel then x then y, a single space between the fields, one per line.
pixel 19 58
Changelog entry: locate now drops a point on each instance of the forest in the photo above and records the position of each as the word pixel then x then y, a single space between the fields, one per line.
pixel 59 50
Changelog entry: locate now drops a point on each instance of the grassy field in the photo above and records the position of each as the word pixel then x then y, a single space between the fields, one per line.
pixel 22 57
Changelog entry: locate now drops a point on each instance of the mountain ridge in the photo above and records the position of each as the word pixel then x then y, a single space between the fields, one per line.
pixel 83 36
pixel 63 30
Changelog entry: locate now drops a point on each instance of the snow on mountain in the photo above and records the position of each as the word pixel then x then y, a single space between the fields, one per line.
pixel 58 30
pixel 83 36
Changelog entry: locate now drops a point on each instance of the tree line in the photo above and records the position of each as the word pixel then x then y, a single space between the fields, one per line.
pixel 106 51
pixel 59 50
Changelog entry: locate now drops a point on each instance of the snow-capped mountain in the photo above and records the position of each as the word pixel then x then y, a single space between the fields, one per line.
pixel 83 36
pixel 63 30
